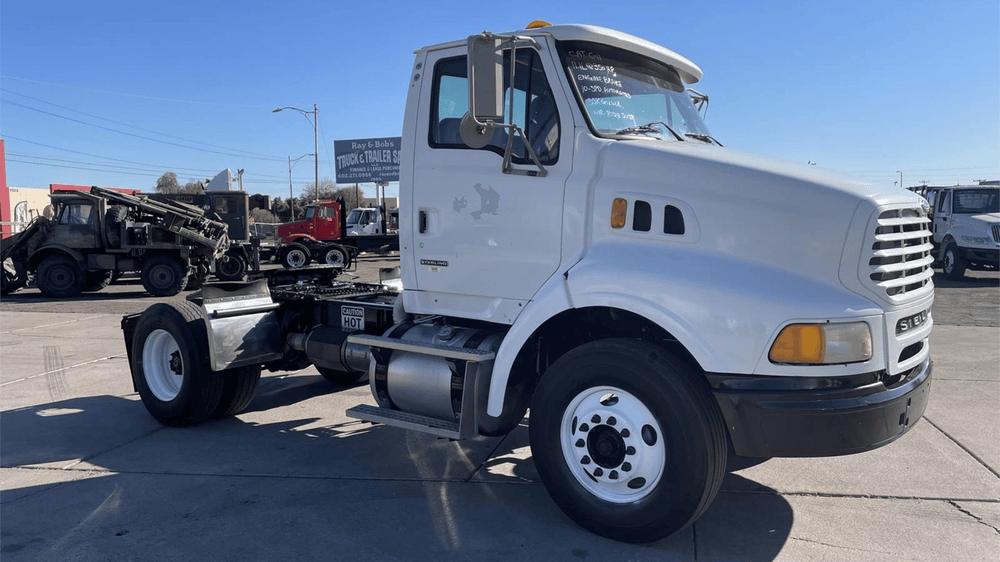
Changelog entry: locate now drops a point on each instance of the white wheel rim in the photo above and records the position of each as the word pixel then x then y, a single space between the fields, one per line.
pixel 612 444
pixel 163 365
pixel 296 258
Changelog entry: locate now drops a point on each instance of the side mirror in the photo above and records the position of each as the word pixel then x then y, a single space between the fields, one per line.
pixel 485 78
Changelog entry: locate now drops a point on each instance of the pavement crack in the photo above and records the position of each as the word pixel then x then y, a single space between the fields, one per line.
pixel 839 547
pixel 972 515
pixel 963 447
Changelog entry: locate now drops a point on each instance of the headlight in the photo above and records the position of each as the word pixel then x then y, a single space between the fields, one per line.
pixel 822 344
pixel 976 240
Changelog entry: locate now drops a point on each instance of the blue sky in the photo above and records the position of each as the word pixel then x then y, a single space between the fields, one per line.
pixel 116 93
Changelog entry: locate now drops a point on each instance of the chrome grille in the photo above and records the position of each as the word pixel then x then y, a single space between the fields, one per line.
pixel 901 252
pixel 996 233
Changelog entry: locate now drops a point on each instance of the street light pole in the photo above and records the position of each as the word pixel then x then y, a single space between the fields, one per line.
pixel 291 198
pixel 315 123
pixel 900 178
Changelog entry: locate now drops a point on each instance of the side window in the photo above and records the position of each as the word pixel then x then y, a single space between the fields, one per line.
pixel 76 213
pixel 222 205
pixel 533 110
pixel 943 206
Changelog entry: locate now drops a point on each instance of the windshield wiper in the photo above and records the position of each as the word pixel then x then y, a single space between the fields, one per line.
pixel 703 137
pixel 649 128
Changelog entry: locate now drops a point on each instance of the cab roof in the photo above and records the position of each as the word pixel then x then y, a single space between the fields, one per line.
pixel 689 71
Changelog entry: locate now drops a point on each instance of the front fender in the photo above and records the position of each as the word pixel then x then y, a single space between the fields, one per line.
pixel 38 255
pixel 724 311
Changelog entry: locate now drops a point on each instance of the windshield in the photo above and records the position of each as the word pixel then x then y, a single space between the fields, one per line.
pixel 975 201
pixel 626 94
pixel 352 217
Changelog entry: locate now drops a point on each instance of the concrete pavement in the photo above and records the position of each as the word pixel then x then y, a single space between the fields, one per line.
pixel 87 474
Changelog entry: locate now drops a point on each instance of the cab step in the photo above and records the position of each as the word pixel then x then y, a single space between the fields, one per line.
pixel 396 418
pixel 466 425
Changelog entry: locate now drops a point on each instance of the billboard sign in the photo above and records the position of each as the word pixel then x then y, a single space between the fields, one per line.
pixel 367 160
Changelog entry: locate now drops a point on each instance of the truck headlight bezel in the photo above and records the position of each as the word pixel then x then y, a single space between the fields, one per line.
pixel 822 344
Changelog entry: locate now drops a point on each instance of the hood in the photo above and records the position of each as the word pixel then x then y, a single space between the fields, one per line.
pixel 764 211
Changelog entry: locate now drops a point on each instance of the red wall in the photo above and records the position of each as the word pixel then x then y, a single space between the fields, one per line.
pixel 4 191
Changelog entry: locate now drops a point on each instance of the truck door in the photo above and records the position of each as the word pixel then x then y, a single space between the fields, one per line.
pixel 477 231
pixel 76 226
pixel 942 214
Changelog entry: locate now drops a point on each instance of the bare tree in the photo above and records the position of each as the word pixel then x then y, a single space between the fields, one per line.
pixel 168 183
pixel 329 191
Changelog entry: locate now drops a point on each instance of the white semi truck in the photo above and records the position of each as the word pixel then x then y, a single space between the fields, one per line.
pixel 576 243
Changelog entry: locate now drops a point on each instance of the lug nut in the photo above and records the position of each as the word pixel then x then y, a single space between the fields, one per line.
pixel 584 427
pixel 598 472
pixel 595 419
pixel 585 460
pixel 613 475
pixel 626 467
pixel 630 450
pixel 626 433
pixel 612 420
pixel 580 443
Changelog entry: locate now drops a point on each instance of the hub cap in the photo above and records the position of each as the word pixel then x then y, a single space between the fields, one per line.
pixel 295 258
pixel 612 444
pixel 162 365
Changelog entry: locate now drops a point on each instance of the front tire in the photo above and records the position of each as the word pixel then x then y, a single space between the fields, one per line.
pixel 954 265
pixel 59 276
pixel 170 364
pixel 627 440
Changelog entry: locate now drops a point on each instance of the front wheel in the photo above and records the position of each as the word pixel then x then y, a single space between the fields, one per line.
pixel 59 276
pixel 954 265
pixel 170 364
pixel 627 440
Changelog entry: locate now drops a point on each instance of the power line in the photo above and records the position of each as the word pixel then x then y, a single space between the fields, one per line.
pixel 14 103
pixel 128 125
pixel 134 95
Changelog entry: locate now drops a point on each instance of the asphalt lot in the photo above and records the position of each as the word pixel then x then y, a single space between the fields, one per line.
pixel 87 474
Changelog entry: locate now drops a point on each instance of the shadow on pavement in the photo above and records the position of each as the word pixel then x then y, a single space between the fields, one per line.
pixel 234 489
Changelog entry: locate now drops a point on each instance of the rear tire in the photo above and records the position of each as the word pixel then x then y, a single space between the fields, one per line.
pixel 294 256
pixel 59 276
pixel 170 364
pixel 340 378
pixel 333 255
pixel 96 280
pixel 239 386
pixel 163 276
pixel 627 440
pixel 232 267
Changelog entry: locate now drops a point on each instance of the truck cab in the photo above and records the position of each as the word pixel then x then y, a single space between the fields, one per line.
pixel 966 228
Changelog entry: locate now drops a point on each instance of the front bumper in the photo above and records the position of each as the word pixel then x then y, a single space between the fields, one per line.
pixel 794 417
pixel 980 255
